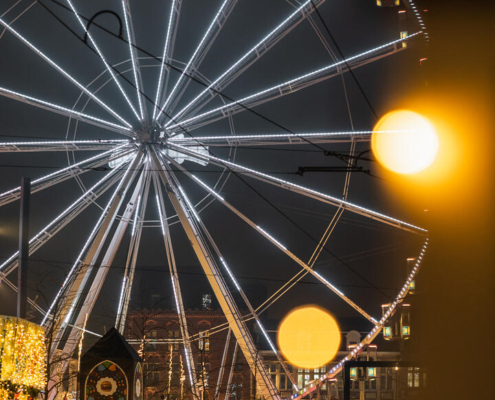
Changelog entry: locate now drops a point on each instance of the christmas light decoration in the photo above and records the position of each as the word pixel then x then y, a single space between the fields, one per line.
pixel 22 359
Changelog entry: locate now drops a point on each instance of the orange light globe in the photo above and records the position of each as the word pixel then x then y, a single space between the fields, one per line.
pixel 309 337
pixel 404 142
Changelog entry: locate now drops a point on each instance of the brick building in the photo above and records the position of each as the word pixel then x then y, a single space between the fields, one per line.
pixel 155 334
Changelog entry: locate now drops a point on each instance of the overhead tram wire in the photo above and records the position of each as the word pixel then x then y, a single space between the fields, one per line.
pixel 160 269
pixel 344 59
pixel 200 144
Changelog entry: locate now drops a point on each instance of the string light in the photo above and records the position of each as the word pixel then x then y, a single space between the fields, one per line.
pixel 22 359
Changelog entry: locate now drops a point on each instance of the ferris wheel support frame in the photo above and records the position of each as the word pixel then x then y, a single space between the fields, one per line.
pixel 132 256
pixel 88 304
pixel 90 252
pixel 174 276
pixel 189 221
pixel 276 243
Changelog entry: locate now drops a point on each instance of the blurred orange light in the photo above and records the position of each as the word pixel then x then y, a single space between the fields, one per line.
pixel 404 142
pixel 309 337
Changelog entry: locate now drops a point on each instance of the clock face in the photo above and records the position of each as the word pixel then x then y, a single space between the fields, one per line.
pixel 106 386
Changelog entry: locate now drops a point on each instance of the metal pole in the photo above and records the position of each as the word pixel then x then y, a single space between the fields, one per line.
pixel 23 247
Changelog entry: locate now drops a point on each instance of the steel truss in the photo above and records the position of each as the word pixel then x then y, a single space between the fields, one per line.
pixel 281 139
pixel 190 222
pixel 181 312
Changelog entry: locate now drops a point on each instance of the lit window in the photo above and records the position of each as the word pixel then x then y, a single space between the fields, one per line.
pixel 387 331
pixel 379 3
pixel 204 340
pixel 406 330
pixel 403 35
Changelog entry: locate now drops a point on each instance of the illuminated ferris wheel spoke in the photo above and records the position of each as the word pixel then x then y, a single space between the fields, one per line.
pixel 63 174
pixel 100 54
pixel 300 189
pixel 63 72
pixel 241 292
pixel 275 242
pixel 60 145
pixel 136 69
pixel 189 220
pixel 319 248
pixel 72 271
pixel 273 139
pixel 250 57
pixel 62 220
pixel 82 268
pixel 199 54
pixel 132 255
pixel 45 105
pixel 168 49
pixel 102 272
pixel 174 276
pixel 290 86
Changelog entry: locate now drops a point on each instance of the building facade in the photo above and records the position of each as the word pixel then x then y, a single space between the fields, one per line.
pixel 221 370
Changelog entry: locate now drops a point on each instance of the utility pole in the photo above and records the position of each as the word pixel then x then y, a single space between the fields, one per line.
pixel 22 269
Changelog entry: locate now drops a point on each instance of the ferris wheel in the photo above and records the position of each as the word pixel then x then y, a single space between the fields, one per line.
pixel 154 150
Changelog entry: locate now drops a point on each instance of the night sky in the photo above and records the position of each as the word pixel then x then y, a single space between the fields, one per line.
pixel 373 250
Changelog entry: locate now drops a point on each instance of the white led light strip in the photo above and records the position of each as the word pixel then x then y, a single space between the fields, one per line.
pixel 199 139
pixel 75 142
pixel 196 52
pixel 291 82
pixel 109 69
pixel 420 19
pixel 289 185
pixel 165 56
pixel 66 110
pixel 63 72
pixel 133 59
